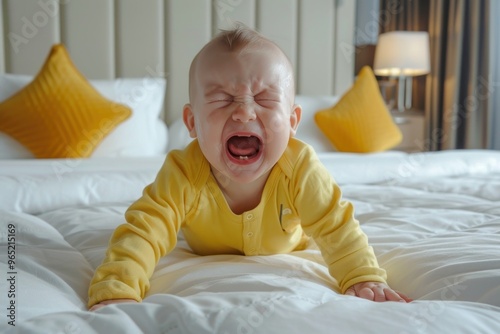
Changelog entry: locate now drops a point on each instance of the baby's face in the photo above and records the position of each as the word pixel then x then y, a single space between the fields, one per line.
pixel 242 110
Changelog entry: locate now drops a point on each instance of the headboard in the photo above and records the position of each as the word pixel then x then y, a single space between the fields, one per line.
pixel 130 38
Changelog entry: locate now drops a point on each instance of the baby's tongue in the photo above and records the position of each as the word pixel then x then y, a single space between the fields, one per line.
pixel 243 146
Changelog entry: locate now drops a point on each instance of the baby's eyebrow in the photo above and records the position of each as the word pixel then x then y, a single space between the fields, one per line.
pixel 256 89
pixel 272 89
pixel 212 89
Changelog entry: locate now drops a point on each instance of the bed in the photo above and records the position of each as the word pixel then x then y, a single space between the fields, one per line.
pixel 434 227
pixel 433 218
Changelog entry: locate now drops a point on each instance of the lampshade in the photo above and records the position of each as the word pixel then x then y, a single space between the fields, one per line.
pixel 402 53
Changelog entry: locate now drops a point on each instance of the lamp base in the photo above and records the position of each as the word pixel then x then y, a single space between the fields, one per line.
pixel 405 87
pixel 388 90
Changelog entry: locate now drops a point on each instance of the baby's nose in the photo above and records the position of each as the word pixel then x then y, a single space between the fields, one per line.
pixel 244 110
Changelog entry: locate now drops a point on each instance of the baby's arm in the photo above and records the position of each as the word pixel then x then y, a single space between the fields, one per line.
pixel 135 248
pixel 376 291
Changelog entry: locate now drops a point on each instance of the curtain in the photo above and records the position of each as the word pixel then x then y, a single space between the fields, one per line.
pixel 494 75
pixel 457 90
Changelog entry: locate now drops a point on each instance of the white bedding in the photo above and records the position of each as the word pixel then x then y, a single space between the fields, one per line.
pixel 433 219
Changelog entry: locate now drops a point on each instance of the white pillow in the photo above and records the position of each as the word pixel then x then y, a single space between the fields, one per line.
pixel 308 131
pixel 142 134
pixel 178 135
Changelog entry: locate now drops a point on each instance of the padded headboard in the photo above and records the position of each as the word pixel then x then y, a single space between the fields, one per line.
pixel 137 38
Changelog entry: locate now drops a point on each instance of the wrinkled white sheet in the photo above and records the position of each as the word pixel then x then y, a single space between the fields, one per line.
pixel 433 219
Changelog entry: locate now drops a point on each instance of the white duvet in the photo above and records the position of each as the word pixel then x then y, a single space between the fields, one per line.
pixel 432 218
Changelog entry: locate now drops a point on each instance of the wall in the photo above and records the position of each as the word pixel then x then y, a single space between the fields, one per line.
pixel 131 38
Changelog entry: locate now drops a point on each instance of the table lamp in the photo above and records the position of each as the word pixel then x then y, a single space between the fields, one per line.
pixel 402 54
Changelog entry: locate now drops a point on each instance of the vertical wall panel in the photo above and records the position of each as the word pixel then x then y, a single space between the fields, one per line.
pixel 88 33
pixel 226 12
pixel 32 27
pixel 277 20
pixel 316 27
pixel 140 39
pixel 344 46
pixel 131 38
pixel 188 28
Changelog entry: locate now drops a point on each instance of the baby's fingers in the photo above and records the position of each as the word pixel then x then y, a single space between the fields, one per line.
pixel 371 294
pixel 396 296
pixel 109 302
pixel 350 292
pixel 405 297
pixel 365 293
pixel 96 307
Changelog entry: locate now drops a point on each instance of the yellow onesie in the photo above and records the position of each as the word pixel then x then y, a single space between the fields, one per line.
pixel 300 199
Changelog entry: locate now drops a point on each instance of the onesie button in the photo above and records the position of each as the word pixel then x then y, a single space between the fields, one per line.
pixel 249 234
pixel 250 216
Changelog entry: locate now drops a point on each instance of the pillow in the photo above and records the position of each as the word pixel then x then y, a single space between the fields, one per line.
pixel 178 135
pixel 360 122
pixel 307 130
pixel 142 134
pixel 59 114
pixel 12 149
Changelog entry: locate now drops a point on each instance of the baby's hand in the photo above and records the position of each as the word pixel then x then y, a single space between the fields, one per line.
pixel 111 301
pixel 378 292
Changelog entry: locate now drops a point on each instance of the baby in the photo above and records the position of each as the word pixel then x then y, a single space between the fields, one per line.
pixel 243 186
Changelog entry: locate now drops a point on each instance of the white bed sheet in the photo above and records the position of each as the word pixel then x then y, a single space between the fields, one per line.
pixel 433 219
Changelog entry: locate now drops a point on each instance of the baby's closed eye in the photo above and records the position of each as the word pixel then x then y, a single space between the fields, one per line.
pixel 267 99
pixel 220 100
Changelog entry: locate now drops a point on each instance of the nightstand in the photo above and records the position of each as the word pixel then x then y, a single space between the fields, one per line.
pixel 412 126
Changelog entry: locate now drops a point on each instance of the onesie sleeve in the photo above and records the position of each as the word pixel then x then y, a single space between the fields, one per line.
pixel 330 221
pixel 135 247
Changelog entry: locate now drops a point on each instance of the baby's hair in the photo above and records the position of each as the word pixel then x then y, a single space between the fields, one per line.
pixel 240 36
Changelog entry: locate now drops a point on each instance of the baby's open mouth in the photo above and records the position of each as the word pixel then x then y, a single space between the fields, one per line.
pixel 243 147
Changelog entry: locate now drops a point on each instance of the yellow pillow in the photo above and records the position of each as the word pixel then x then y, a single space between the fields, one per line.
pixel 360 121
pixel 60 114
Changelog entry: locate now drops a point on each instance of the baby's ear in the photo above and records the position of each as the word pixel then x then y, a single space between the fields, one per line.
pixel 295 119
pixel 188 118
